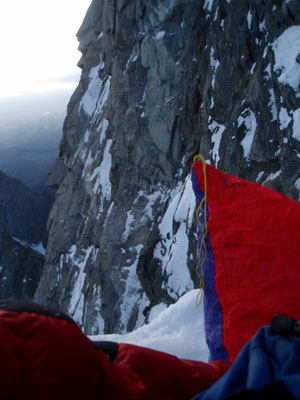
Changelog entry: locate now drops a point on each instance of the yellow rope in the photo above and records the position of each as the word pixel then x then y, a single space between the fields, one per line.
pixel 200 264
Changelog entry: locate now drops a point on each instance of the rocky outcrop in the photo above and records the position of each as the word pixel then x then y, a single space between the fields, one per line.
pixel 162 81
pixel 24 213
pixel 20 268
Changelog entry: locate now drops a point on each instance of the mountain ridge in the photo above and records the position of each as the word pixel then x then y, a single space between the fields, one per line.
pixel 23 212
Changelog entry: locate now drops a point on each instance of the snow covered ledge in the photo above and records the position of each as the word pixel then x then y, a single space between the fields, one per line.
pixel 178 330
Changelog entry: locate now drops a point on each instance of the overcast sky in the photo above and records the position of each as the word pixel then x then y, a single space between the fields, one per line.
pixel 38 44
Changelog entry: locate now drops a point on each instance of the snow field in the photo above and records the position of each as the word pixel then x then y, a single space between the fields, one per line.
pixel 177 330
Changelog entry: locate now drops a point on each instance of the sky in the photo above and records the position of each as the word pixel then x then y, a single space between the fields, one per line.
pixel 39 45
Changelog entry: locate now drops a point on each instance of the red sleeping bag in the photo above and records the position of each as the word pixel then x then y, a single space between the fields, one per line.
pixel 46 356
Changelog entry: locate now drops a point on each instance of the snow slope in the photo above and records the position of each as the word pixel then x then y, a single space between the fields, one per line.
pixel 177 330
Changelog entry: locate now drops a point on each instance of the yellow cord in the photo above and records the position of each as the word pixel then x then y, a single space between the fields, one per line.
pixel 200 264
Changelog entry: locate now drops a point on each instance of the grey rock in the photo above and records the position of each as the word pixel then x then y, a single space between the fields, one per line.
pixel 57 174
pixel 161 81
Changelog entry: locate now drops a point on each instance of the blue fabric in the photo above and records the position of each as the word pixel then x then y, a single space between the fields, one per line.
pixel 265 359
pixel 212 310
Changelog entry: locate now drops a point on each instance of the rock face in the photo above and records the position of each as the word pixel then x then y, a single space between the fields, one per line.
pixel 162 81
pixel 20 269
pixel 22 212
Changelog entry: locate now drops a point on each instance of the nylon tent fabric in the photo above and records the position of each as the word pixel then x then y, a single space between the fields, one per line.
pixel 252 269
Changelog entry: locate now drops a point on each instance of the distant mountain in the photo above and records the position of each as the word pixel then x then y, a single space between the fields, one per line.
pixel 30 166
pixel 30 130
pixel 20 268
pixel 23 220
pixel 24 213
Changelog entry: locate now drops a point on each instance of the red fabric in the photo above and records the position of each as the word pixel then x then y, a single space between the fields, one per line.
pixel 255 238
pixel 163 376
pixel 43 358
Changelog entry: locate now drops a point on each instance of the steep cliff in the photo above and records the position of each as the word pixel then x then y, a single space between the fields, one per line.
pixel 162 81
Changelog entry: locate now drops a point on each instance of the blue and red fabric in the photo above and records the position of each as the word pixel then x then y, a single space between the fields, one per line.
pixel 267 367
pixel 252 269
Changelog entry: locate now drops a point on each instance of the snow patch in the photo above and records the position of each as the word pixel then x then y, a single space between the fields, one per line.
pixel 208 5
pixel 100 176
pixel 88 162
pixel 272 105
pixel 216 14
pixel 39 248
pixel 217 131
pixel 132 295
pixel 178 330
pixel 214 63
pixel 262 26
pixel 272 177
pixel 98 325
pixel 97 92
pixel 128 225
pixel 86 136
pixel 89 100
pixel 268 71
pixel 34 246
pixel 260 174
pixel 109 211
pixel 102 129
pixel 249 19
pixel 76 305
pixel 173 248
pixel 297 186
pixel 284 118
pixel 286 48
pixel 296 124
pixel 252 68
pixel 130 60
pixel 88 159
pixel 160 35
pixel 247 118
